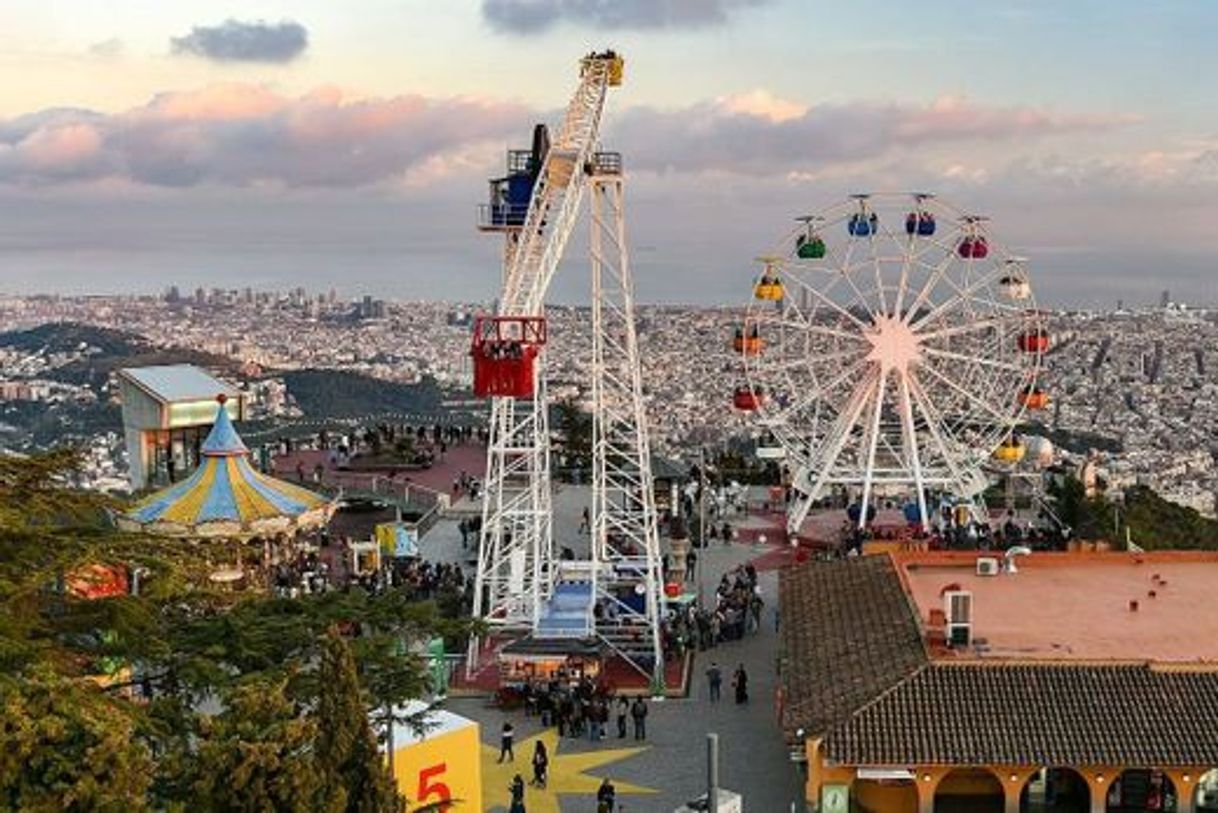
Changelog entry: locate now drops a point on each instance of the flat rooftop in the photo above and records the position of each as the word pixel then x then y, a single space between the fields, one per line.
pixel 177 382
pixel 1076 606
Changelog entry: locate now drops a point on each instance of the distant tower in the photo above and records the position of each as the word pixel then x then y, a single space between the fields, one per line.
pixel 1164 299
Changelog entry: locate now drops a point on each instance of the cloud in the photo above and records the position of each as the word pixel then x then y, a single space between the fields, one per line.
pixel 235 41
pixel 533 16
pixel 758 133
pixel 250 135
pixel 247 135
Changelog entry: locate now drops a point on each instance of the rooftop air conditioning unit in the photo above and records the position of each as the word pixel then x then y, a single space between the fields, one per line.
pixel 987 566
pixel 959 608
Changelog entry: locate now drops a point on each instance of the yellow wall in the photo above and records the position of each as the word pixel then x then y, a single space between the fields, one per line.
pixel 439 767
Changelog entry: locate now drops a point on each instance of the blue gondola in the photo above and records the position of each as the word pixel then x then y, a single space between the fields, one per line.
pixel 861 225
pixel 920 223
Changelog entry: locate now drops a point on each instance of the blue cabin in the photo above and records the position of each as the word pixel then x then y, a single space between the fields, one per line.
pixel 920 223
pixel 861 225
pixel 508 205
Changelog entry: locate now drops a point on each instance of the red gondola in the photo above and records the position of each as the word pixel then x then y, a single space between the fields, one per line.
pixel 1034 341
pixel 974 248
pixel 505 349
pixel 747 399
pixel 1033 398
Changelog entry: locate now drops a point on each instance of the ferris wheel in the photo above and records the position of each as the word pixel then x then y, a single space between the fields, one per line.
pixel 890 349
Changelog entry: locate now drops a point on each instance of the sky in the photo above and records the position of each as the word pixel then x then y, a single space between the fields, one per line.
pixel 345 145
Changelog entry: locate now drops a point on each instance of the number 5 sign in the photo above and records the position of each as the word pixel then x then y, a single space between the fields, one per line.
pixel 431 789
pixel 436 767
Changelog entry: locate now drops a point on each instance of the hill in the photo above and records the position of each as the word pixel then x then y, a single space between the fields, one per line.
pixel 114 349
pixel 338 394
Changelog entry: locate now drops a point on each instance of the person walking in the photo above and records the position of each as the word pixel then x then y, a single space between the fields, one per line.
pixel 517 791
pixel 714 680
pixel 606 797
pixel 741 683
pixel 505 742
pixel 541 763
pixel 623 709
pixel 638 711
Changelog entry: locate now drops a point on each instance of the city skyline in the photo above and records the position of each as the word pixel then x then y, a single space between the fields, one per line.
pixel 286 143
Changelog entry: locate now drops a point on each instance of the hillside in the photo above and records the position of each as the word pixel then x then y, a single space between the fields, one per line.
pixel 337 394
pixel 117 349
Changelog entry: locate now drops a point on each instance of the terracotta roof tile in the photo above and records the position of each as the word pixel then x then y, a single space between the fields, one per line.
pixel 849 634
pixel 1036 714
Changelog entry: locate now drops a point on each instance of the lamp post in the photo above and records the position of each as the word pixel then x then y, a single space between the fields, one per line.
pixel 702 545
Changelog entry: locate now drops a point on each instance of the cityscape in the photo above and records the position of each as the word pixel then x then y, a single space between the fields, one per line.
pixel 646 406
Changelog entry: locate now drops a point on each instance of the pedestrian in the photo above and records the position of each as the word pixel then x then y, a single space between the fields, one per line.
pixel 505 742
pixel 606 796
pixel 594 720
pixel 777 618
pixel 517 791
pixel 638 711
pixel 714 678
pixel 541 762
pixel 691 566
pixel 585 522
pixel 741 683
pixel 623 709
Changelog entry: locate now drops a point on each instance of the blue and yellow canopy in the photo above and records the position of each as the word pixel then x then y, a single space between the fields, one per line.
pixel 227 497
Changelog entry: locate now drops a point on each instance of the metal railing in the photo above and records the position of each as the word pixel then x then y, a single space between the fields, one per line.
pixel 501 215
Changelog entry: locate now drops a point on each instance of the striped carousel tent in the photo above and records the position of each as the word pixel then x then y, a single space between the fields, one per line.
pixel 227 498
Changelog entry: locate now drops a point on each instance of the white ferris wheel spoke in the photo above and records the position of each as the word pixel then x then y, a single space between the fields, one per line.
pixel 933 422
pixel 827 300
pixel 1000 418
pixel 963 296
pixel 873 439
pixel 961 330
pixel 817 392
pixel 823 329
pixel 984 362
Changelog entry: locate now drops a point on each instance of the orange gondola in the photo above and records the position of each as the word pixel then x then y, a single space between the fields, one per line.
pixel 750 343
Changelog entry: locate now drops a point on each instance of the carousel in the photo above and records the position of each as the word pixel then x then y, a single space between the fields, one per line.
pixel 227 499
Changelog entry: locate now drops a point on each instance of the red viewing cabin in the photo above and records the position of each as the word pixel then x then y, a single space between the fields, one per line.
pixel 505 350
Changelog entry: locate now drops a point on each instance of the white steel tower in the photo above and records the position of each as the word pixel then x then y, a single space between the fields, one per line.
pixel 520 587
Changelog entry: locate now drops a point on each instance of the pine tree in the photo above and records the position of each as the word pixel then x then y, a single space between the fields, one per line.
pixel 256 755
pixel 353 772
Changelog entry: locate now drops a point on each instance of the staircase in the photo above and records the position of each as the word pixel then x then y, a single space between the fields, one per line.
pixel 567 613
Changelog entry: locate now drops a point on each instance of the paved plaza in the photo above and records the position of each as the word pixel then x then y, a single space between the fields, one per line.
pixel 669 767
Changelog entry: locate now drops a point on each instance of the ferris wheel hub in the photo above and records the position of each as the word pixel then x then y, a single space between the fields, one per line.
pixel 894 345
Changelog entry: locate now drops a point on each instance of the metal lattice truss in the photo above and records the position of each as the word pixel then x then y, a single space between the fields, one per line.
pixel 892 364
pixel 625 537
pixel 517 573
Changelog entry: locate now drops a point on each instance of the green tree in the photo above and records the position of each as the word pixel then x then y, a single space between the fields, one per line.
pixel 67 745
pixel 257 754
pixel 353 774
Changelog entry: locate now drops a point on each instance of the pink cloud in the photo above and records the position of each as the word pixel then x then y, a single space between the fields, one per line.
pixel 239 134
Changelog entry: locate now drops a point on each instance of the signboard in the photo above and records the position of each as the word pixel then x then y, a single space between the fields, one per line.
pixel 199 413
pixel 398 539
pixel 440 765
pixel 835 799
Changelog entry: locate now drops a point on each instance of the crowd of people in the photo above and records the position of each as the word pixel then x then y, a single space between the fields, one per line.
pixel 736 612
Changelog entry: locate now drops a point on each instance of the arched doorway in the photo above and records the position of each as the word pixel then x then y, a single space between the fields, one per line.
pixel 1206 800
pixel 1055 790
pixel 969 790
pixel 899 795
pixel 1142 790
